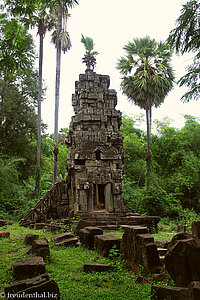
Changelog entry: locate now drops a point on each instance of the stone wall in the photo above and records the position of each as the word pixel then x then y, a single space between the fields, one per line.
pixel 139 250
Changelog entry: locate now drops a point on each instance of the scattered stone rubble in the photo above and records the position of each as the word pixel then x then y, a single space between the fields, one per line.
pixel 182 262
pixel 181 259
pixel 196 229
pixel 4 234
pixel 86 236
pixel 29 239
pixel 138 249
pixel 40 287
pixel 96 267
pixel 176 293
pixel 112 222
pixel 40 247
pixel 65 239
pixel 104 243
pixel 29 267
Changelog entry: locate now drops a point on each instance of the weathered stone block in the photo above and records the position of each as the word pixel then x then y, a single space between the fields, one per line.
pixel 194 290
pixel 87 235
pixel 2 222
pixel 182 261
pixel 41 248
pixel 196 229
pixel 29 238
pixel 68 242
pixel 44 290
pixel 168 293
pixel 181 228
pixel 162 251
pixel 82 224
pixel 26 283
pixel 104 243
pixel 128 240
pixel 96 267
pixel 61 237
pixel 29 267
pixel 4 234
pixel 144 238
pixel 139 249
pixel 40 225
pixel 152 223
pixel 151 260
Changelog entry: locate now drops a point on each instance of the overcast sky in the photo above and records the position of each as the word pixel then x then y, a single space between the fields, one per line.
pixel 111 24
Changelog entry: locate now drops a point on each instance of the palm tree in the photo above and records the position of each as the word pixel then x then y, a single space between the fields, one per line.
pixel 43 22
pixel 89 58
pixel 62 42
pixel 37 13
pixel 185 37
pixel 147 78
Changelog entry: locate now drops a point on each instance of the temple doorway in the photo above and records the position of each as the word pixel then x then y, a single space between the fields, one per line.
pixel 99 197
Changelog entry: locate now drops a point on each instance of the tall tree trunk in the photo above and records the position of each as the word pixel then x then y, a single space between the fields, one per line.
pixel 57 92
pixel 41 37
pixel 148 155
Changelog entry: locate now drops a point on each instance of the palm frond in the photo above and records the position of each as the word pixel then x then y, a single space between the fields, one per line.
pixel 148 76
pixel 88 43
pixel 89 57
pixel 65 41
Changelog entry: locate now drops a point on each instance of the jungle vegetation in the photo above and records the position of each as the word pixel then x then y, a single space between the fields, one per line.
pixel 175 153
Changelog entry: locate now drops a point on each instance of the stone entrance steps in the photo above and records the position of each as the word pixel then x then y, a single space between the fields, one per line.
pixel 113 221
pixel 105 220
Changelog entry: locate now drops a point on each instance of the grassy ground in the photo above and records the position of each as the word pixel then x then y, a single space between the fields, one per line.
pixel 66 268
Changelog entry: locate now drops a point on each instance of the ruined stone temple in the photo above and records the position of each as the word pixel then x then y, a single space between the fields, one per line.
pixel 96 154
pixel 92 189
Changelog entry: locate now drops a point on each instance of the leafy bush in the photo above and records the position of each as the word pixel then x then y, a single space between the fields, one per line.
pixel 187 216
pixel 156 201
pixel 11 192
pixel 151 201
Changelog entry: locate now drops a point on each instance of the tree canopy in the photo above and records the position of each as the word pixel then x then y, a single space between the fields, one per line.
pixel 185 37
pixel 16 48
pixel 147 78
pixel 147 73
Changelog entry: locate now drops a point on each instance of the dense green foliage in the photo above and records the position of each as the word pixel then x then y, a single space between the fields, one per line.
pixel 18 133
pixel 16 48
pixel 175 171
pixel 18 95
pixel 175 168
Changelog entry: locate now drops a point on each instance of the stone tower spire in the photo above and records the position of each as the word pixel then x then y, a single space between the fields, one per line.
pixel 96 154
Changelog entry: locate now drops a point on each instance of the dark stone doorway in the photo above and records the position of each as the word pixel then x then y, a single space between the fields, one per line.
pixel 99 197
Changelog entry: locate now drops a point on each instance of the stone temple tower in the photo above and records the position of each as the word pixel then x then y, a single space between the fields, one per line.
pixel 92 189
pixel 96 154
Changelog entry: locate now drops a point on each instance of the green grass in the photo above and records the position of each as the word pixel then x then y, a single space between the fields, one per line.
pixel 163 236
pixel 66 268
